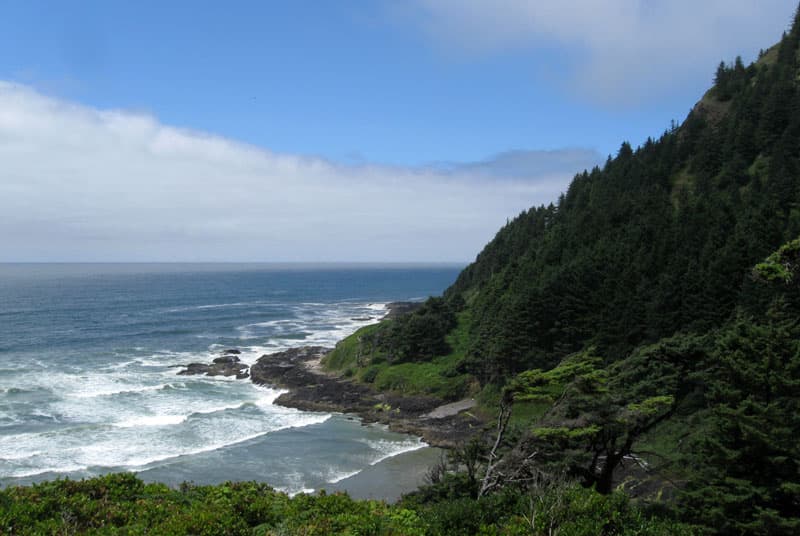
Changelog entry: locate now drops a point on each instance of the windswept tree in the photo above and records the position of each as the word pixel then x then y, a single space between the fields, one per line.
pixel 590 426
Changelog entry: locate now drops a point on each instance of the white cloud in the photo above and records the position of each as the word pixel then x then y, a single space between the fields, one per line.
pixel 614 51
pixel 83 184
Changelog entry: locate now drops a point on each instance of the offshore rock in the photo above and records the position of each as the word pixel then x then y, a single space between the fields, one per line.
pixel 230 359
pixel 225 368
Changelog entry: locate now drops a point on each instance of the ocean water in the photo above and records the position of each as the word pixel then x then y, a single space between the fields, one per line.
pixel 88 382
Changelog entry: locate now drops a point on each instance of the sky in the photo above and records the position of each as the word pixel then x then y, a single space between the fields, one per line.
pixel 355 130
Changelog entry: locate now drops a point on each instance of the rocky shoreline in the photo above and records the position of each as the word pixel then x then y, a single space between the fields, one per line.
pixel 311 389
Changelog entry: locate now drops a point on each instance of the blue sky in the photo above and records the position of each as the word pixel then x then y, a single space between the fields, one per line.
pixel 432 90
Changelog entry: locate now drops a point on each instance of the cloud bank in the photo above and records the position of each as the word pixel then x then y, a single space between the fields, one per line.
pixel 80 184
pixel 613 51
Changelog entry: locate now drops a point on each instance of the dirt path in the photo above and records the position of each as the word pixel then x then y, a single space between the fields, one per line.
pixel 451 410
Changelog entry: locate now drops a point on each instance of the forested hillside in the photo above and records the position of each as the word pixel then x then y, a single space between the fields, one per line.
pixel 648 318
pixel 661 239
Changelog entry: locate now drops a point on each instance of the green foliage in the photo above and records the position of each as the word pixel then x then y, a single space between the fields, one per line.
pixel 370 374
pixel 354 351
pixel 747 477
pixel 660 240
pixel 552 509
pixel 123 504
pixel 422 378
pixel 439 376
pixel 593 422
pixel 420 335
pixel 648 262
pixel 782 266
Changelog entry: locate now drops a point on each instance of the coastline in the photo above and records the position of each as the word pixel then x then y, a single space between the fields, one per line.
pixel 305 385
pixel 298 372
pixel 439 423
pixel 390 479
pixel 309 388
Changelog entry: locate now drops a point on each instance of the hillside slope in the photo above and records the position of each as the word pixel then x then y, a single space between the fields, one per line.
pixel 637 318
pixel 660 240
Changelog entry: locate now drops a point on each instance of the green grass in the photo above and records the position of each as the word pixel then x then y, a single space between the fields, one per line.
pixel 348 350
pixel 437 377
pixel 423 378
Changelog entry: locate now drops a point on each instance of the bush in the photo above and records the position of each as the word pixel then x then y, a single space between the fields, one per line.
pixel 123 504
pixel 418 336
pixel 370 374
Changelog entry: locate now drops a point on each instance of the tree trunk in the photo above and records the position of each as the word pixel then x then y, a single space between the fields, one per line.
pixel 489 479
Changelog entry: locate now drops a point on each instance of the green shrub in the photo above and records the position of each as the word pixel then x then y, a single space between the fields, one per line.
pixel 370 374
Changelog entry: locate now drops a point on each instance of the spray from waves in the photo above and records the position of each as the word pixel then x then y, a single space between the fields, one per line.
pixel 106 450
pixel 129 389
pixel 133 418
pixel 311 324
pixel 171 419
pixel 203 307
pixel 292 492
pixel 295 485
pixel 335 478
pixel 389 449
pixel 151 420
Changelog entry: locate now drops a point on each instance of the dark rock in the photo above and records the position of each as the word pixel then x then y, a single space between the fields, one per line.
pixel 195 368
pixel 312 390
pixel 232 351
pixel 226 359
pixel 227 369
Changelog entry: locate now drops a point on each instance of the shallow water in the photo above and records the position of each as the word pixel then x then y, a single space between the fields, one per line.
pixel 88 381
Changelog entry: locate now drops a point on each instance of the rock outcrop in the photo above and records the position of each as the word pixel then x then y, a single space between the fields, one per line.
pixel 311 389
pixel 226 365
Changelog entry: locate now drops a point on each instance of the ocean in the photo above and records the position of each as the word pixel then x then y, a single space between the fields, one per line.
pixel 88 384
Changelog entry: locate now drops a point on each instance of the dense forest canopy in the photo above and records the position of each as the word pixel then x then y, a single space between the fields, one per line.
pixel 660 240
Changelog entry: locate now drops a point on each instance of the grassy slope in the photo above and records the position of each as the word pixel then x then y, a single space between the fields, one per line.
pixel 438 377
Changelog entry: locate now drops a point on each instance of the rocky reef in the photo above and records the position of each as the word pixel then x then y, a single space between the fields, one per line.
pixel 228 364
pixel 310 388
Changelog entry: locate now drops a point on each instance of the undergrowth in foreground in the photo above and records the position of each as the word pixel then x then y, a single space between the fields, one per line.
pixel 123 504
